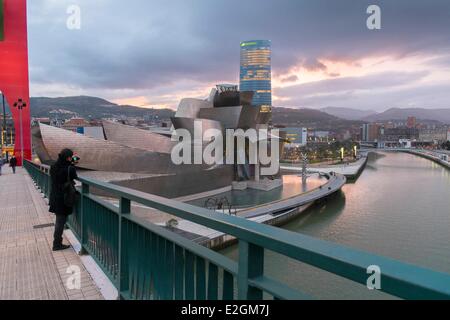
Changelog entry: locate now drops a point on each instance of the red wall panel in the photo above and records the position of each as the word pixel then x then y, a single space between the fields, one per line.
pixel 14 81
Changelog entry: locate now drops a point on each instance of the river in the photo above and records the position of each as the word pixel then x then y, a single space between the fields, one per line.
pixel 399 208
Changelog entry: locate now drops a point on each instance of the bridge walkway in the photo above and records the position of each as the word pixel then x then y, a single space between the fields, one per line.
pixel 29 269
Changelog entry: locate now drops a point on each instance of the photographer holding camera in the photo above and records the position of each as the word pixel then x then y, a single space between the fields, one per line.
pixel 63 193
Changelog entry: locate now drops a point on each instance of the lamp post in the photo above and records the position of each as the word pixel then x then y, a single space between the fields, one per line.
pixel 20 104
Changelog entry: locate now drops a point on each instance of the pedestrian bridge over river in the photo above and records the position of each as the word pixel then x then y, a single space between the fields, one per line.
pixel 28 267
pixel 145 261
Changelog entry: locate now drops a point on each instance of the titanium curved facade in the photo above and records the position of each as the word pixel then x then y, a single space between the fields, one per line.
pixel 256 71
pixel 136 138
pixel 132 167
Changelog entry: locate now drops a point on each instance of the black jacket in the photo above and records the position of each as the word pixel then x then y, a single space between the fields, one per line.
pixel 13 162
pixel 59 173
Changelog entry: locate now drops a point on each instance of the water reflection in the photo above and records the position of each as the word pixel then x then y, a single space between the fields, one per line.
pixel 292 186
pixel 399 208
pixel 325 211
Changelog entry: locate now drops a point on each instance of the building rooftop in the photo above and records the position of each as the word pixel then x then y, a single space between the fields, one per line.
pixel 76 122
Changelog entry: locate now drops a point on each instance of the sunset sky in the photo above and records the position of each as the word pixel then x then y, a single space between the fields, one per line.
pixel 154 52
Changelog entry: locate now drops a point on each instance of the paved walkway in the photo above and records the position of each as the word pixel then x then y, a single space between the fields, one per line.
pixel 350 170
pixel 29 269
pixel 435 156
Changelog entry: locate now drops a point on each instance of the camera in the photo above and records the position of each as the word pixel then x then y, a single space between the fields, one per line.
pixel 75 159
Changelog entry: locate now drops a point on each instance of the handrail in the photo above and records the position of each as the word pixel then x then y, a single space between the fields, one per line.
pixel 397 278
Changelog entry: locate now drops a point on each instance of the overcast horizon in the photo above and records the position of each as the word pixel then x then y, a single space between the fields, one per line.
pixel 153 53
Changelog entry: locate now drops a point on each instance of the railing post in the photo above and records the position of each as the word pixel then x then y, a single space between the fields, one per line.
pixel 251 265
pixel 83 237
pixel 124 209
pixel 39 185
pixel 49 185
pixel 45 183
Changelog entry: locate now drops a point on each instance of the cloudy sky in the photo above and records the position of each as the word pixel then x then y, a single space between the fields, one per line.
pixel 154 52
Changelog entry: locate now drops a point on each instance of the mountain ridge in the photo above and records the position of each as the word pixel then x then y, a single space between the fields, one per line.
pixel 348 113
pixel 441 115
pixel 310 118
pixel 97 108
pixel 90 107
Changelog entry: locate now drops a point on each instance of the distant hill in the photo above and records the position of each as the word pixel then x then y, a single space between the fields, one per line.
pixel 97 108
pixel 330 118
pixel 348 113
pixel 89 107
pixel 442 115
pixel 290 115
pixel 310 118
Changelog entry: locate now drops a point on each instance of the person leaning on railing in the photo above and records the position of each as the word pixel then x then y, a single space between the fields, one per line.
pixel 62 175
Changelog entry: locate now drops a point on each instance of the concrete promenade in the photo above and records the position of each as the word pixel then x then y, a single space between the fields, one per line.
pixel 350 171
pixel 274 213
pixel 29 269
pixel 432 155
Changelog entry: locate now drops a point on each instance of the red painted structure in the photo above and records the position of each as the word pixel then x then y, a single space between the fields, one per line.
pixel 14 82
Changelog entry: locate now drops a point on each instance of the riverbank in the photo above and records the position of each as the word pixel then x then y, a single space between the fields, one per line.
pixel 275 213
pixel 398 208
pixel 430 155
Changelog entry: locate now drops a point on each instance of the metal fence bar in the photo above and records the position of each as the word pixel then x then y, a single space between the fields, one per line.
pixel 117 240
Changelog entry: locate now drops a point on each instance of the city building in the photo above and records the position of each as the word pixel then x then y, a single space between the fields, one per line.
pixel 142 159
pixel 343 135
pixel 436 136
pixel 397 134
pixel 405 143
pixel 36 121
pixel 82 126
pixel 297 137
pixel 7 136
pixel 320 136
pixel 76 124
pixel 370 132
pixel 255 71
pixel 411 122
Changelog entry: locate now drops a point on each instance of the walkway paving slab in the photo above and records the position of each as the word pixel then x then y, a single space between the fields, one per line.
pixel 29 269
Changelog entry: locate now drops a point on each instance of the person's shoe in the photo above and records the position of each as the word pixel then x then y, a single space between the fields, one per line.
pixel 61 247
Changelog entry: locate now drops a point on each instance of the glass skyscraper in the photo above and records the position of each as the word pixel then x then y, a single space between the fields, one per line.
pixel 255 74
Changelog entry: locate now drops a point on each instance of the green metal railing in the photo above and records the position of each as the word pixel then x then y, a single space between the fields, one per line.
pixel 146 261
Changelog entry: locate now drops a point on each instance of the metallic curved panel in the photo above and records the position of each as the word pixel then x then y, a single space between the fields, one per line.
pixel 251 116
pixel 226 99
pixel 38 145
pixel 264 117
pixel 233 98
pixel 182 184
pixel 188 124
pixel 228 116
pixel 246 98
pixel 211 96
pixel 106 155
pixel 137 138
pixel 189 108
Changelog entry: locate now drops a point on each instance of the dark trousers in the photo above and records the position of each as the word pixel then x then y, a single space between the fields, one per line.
pixel 14 169
pixel 61 220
